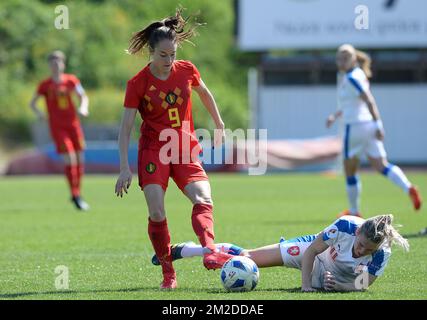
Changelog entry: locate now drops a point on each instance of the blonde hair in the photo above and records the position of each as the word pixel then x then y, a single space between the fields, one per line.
pixel 57 54
pixel 362 58
pixel 364 61
pixel 379 229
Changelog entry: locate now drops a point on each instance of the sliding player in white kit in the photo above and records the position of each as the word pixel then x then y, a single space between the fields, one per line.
pixel 348 255
pixel 364 132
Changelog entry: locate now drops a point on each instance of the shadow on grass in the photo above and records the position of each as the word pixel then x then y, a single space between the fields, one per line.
pixel 139 289
pixel 147 289
pixel 278 290
pixel 67 292
pixel 421 233
pixel 289 290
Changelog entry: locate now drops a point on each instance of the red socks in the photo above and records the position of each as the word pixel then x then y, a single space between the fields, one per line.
pixel 202 221
pixel 160 239
pixel 71 172
pixel 158 232
pixel 80 172
pixel 74 174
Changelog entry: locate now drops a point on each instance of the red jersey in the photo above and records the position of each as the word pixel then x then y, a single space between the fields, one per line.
pixel 60 106
pixel 164 104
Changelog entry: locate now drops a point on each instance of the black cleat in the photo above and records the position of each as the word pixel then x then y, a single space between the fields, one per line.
pixel 175 253
pixel 80 203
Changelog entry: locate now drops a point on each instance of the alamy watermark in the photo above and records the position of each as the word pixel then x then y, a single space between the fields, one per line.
pixel 62 20
pixel 62 281
pixel 238 147
pixel 361 22
pixel 362 281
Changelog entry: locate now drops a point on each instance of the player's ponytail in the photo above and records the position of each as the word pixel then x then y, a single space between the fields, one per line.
pixel 380 230
pixel 364 62
pixel 140 39
pixel 171 28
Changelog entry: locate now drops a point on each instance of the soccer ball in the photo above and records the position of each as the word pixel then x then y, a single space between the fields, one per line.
pixel 239 274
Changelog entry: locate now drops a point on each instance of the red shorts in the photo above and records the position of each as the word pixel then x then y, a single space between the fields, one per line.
pixel 152 171
pixel 68 140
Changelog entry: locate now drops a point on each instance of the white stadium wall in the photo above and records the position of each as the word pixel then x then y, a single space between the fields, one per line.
pixel 299 112
pixel 321 24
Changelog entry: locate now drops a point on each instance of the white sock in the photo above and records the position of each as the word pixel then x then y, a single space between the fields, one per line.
pixel 193 250
pixel 354 188
pixel 396 175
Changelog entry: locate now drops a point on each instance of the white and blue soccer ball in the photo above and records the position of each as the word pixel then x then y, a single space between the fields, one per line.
pixel 239 274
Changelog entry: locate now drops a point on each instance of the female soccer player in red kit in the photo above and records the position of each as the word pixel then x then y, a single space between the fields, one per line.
pixel 64 122
pixel 161 92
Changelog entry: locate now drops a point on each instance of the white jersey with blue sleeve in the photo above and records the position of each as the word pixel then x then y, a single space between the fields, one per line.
pixel 349 87
pixel 338 258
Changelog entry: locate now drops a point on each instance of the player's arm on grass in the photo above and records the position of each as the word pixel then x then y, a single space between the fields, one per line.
pixel 83 100
pixel 369 99
pixel 331 284
pixel 33 106
pixel 125 177
pixel 209 102
pixel 317 247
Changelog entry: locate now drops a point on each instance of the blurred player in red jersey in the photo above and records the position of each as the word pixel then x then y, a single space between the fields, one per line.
pixel 64 122
pixel 161 92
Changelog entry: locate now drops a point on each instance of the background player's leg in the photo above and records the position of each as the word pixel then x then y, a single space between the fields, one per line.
pixel 78 144
pixel 77 200
pixel 70 166
pixel 353 184
pixel 71 161
pixel 159 233
pixel 80 166
pixel 396 175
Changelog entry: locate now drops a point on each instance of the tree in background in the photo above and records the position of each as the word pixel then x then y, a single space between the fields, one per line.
pixel 95 45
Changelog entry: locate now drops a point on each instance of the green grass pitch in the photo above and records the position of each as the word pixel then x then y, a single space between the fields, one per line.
pixel 107 250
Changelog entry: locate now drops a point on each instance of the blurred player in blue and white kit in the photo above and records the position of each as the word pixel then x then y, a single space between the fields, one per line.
pixel 364 131
pixel 348 255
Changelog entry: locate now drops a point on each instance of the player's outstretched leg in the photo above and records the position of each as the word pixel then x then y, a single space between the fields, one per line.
pixel 176 252
pixel 190 249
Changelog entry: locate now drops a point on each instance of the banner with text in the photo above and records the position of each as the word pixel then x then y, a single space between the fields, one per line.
pixel 323 24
